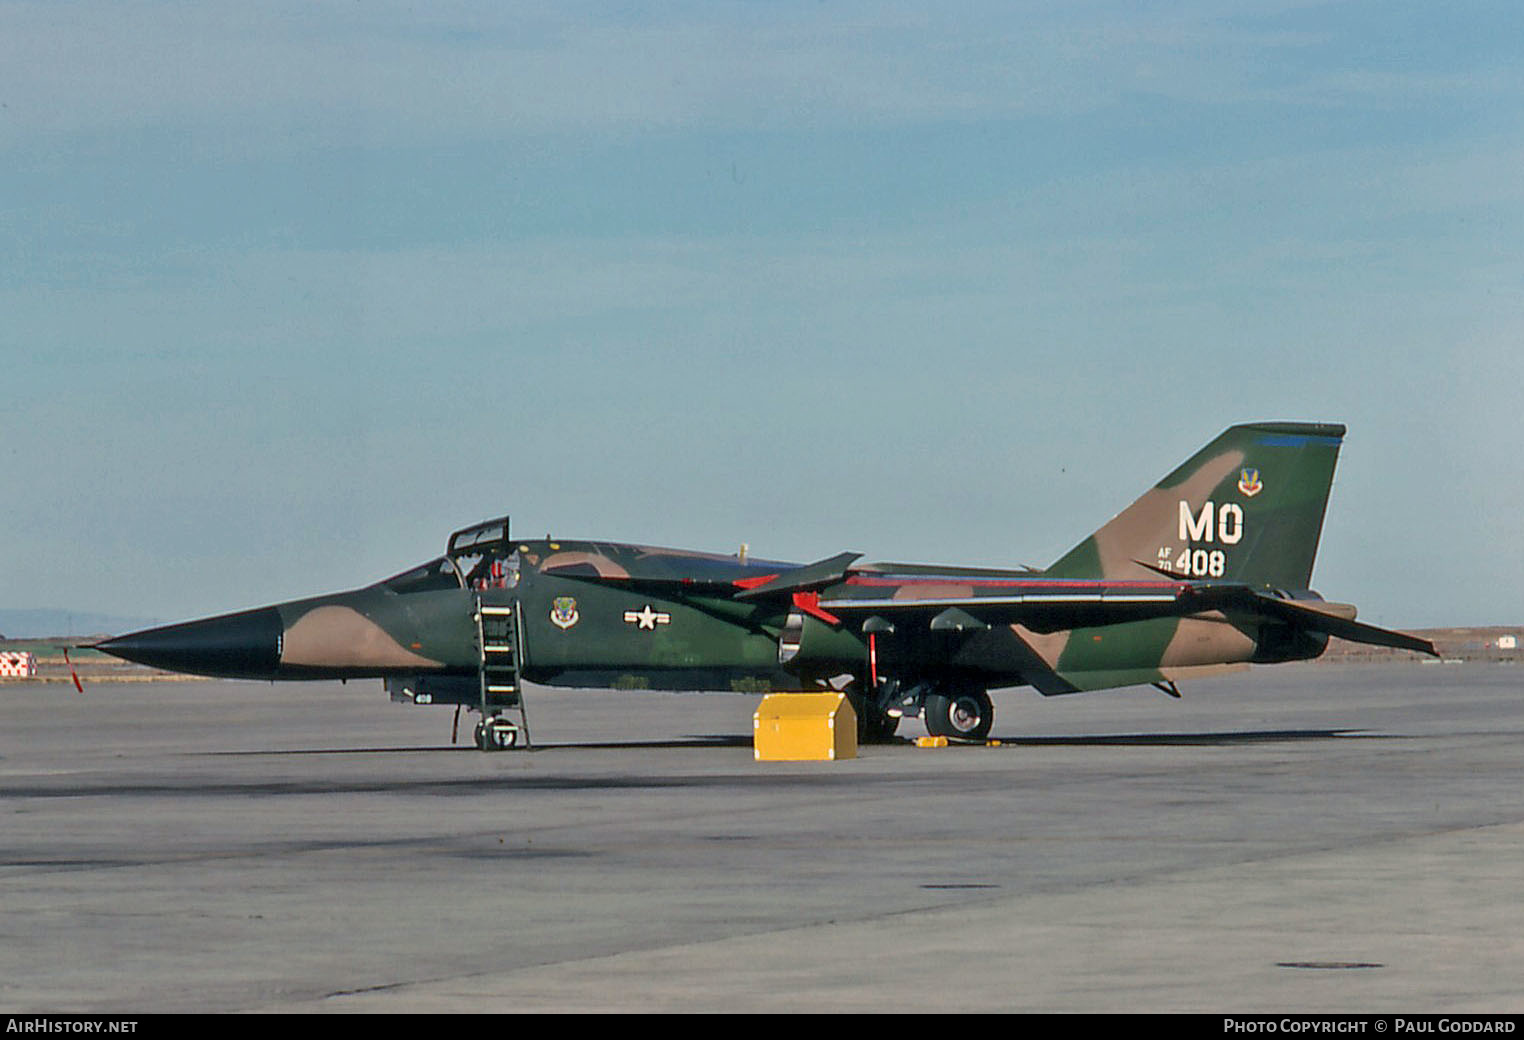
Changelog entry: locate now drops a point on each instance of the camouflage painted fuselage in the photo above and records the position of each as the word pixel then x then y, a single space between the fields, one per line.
pixel 1208 570
pixel 611 614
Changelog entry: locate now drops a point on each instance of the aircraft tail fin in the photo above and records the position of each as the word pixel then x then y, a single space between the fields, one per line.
pixel 1248 508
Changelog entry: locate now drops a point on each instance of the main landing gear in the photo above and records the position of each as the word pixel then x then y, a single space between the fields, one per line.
pixel 965 714
pixel 953 711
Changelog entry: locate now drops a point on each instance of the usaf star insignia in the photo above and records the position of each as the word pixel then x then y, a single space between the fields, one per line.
pixel 646 618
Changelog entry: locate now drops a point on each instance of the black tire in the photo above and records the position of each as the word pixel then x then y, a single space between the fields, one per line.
pixel 493 737
pixel 873 726
pixel 876 728
pixel 959 714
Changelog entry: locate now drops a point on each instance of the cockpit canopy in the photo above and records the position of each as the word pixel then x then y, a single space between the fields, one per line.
pixel 477 557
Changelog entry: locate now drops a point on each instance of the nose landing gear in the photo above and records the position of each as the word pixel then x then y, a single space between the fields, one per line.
pixel 497 734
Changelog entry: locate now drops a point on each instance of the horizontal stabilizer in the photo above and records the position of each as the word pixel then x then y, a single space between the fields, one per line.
pixel 1333 619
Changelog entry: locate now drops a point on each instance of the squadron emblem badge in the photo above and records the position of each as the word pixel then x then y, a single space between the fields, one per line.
pixel 563 612
pixel 1249 482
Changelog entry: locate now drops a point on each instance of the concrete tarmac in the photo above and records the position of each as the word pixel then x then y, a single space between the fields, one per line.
pixel 1300 839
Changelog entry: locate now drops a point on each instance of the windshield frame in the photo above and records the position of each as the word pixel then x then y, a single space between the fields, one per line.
pixel 440 574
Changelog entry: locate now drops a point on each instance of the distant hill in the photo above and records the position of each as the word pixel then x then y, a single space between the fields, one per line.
pixel 40 624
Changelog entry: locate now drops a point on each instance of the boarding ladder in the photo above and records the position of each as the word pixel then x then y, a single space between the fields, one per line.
pixel 500 637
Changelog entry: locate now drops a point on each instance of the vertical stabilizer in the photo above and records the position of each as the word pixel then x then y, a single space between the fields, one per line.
pixel 1248 507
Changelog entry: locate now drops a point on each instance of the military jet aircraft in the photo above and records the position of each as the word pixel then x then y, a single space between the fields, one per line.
pixel 1207 572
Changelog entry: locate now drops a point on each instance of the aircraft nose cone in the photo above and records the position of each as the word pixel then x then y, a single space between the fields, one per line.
pixel 245 645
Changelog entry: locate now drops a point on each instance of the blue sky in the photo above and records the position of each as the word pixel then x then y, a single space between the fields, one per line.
pixel 289 291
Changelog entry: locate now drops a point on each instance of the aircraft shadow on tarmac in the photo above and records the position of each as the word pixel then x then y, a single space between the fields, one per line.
pixel 515 780
pixel 1223 739
pixel 696 742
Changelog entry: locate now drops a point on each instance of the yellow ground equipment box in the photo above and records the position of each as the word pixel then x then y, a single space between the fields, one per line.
pixel 804 727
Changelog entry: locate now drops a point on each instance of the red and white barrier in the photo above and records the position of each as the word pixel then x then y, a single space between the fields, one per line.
pixel 17 664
